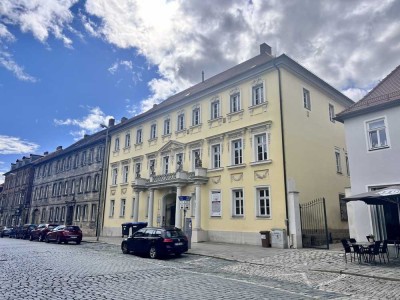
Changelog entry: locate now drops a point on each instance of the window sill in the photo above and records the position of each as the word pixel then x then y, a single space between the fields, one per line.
pixel 113 185
pixel 152 140
pixel 378 148
pixel 219 217
pixel 235 113
pixel 261 162
pixel 138 144
pixel 180 131
pixel 166 135
pixel 264 217
pixel 214 170
pixel 127 148
pixel 253 106
pixel 219 119
pixel 124 184
pixel 195 126
pixel 236 166
pixel 238 217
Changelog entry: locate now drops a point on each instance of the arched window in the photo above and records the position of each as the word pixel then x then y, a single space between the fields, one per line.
pixel 73 187
pixel 66 188
pixel 88 183
pixel 96 182
pixel 80 186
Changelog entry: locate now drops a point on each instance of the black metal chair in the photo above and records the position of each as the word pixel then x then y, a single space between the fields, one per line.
pixel 347 249
pixel 353 241
pixel 360 251
pixel 374 251
pixel 370 238
pixel 384 250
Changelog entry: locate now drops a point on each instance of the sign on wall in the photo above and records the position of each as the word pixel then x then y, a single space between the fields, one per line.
pixel 215 203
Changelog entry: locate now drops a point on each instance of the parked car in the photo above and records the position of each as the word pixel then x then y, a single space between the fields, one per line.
pixel 25 231
pixel 65 234
pixel 14 232
pixel 156 242
pixel 41 231
pixel 6 231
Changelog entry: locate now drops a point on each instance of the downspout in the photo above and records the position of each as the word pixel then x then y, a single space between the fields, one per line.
pixel 283 148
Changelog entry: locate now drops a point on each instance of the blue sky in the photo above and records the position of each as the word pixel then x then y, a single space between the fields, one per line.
pixel 67 66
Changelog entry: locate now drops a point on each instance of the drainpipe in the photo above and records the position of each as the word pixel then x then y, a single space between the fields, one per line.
pixel 283 147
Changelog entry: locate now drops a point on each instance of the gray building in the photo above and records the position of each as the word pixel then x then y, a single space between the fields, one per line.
pixel 67 184
pixel 372 128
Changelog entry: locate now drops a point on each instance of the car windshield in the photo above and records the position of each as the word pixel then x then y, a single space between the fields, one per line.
pixel 72 228
pixel 174 233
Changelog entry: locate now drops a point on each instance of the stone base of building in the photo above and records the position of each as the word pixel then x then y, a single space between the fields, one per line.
pixel 112 231
pixel 199 235
pixel 234 237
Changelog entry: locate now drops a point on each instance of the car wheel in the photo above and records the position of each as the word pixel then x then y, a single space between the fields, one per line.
pixel 31 238
pixel 78 242
pixel 124 248
pixel 153 252
pixel 40 238
pixel 1 236
pixel 58 240
pixel 46 239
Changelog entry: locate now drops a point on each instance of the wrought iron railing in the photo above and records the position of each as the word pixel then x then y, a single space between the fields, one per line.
pixel 164 177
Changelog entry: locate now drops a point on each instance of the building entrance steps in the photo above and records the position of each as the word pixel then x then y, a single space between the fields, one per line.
pixel 306 260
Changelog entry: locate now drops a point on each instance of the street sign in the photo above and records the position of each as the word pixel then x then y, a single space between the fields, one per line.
pixel 184 198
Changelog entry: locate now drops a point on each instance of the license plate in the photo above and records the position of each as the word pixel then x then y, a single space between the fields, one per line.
pixel 178 244
pixel 73 237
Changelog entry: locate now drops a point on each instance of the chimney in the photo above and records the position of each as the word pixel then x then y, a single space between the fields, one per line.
pixel 45 153
pixel 265 48
pixel 202 76
pixel 85 136
pixel 111 122
pixel 59 148
pixel 123 119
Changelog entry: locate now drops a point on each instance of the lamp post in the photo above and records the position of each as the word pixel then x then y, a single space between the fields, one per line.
pixel 103 186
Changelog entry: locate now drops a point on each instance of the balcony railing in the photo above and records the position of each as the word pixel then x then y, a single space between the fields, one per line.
pixel 164 177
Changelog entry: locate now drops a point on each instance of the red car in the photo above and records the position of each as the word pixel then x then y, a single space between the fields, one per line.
pixel 65 234
pixel 41 231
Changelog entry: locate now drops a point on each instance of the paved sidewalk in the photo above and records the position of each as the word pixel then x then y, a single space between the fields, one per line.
pixel 304 260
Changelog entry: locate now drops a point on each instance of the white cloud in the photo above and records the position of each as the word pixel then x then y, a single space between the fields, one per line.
pixel 88 124
pixel 8 62
pixel 125 64
pixel 340 41
pixel 355 94
pixel 15 145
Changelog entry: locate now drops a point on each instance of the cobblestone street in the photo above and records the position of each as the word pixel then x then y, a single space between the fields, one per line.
pixel 33 270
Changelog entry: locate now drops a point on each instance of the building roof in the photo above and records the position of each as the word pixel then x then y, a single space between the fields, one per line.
pixel 385 94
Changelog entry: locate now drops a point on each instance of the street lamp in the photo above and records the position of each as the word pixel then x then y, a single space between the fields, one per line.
pixel 103 186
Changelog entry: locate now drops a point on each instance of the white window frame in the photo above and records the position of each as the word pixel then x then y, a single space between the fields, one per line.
pixel 213 156
pixel 215 109
pixel 181 122
pixel 233 150
pixel 377 130
pixel 112 208
pixel 215 200
pixel 122 208
pixel 338 161
pixel 114 176
pixel 139 136
pixel 331 113
pixel 93 212
pixel 257 94
pixel 196 116
pixel 116 144
pixel 167 126
pixel 194 157
pixel 306 99
pixel 153 131
pixel 234 100
pixel 127 140
pixel 78 213
pixel 85 212
pixel 81 182
pixel 234 204
pixel 166 164
pixel 259 199
pixel 138 167
pixel 264 146
pixel 125 173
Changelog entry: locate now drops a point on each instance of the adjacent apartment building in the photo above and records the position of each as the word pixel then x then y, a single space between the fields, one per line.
pixel 67 184
pixel 372 128
pixel 237 144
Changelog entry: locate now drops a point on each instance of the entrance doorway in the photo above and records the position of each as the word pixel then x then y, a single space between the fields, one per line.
pixel 35 216
pixel 169 208
pixel 70 215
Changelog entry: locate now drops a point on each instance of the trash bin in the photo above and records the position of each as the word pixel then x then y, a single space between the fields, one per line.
pixel 265 243
pixel 126 227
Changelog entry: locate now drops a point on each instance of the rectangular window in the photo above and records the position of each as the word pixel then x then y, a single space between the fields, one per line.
pixel 181 122
pixel 258 94
pixel 152 166
pixel 167 126
pixel 122 211
pixel 235 102
pixel 260 146
pixel 127 140
pixel 62 216
pixel 125 173
pixel 96 182
pixel 216 207
pixel 139 138
pixel 116 145
pixel 114 176
pixel 166 164
pixel 153 131
pixel 338 162
pixel 91 155
pixel 73 187
pixel 263 202
pixel 331 113
pixel 83 159
pixel 57 215
pixel 237 198
pixel 306 99
pixel 216 156
pixel 51 213
pixel 347 164
pixel 133 207
pixel 195 153
pixel 85 213
pixel 88 183
pixel 78 213
pixel 80 188
pixel 138 169
pixel 112 207
pixel 93 213
pixel 215 113
pixel 377 134
pixel 237 151
pixel 343 208
pixel 196 116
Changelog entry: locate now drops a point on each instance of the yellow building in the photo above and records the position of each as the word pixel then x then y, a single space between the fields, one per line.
pixel 237 143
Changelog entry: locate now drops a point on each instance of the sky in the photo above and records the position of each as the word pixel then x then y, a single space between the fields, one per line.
pixel 67 66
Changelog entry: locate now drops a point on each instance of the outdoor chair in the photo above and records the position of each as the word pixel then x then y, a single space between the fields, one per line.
pixel 397 247
pixel 374 251
pixel 353 241
pixel 360 251
pixel 347 249
pixel 384 250
pixel 370 238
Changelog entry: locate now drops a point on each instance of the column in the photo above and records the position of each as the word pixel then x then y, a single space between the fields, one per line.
pixel 197 224
pixel 294 220
pixel 177 208
pixel 136 207
pixel 150 212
